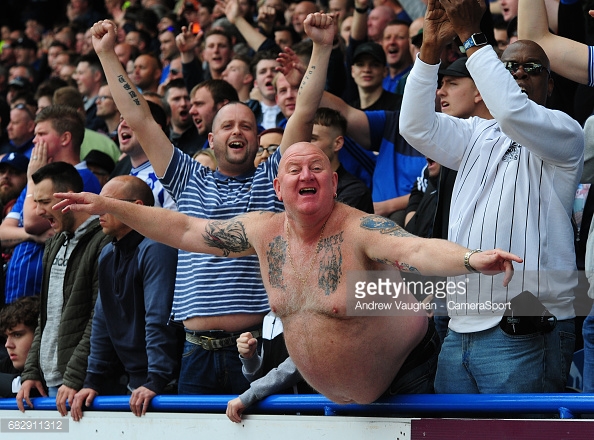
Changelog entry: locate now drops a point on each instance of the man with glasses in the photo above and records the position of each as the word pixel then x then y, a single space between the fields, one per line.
pixel 517 176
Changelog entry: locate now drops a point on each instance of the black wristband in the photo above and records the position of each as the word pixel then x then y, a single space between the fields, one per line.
pixel 362 10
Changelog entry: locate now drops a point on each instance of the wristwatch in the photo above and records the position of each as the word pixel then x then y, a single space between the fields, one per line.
pixel 478 39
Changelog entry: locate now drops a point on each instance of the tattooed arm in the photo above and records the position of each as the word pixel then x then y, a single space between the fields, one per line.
pixel 128 99
pixel 228 238
pixel 388 243
pixel 321 29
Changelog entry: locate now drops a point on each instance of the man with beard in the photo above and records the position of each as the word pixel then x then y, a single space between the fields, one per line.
pixel 13 178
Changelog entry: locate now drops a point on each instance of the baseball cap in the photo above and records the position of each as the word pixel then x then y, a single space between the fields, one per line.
pixel 370 48
pixel 19 81
pixel 25 43
pixel 457 68
pixel 15 160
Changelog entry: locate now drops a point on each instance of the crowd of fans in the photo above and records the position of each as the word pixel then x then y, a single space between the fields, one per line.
pixel 122 314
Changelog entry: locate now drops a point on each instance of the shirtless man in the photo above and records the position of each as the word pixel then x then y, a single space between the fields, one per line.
pixel 331 238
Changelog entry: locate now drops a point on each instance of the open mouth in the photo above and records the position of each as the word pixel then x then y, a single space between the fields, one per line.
pixel 236 145
pixel 126 136
pixel 304 191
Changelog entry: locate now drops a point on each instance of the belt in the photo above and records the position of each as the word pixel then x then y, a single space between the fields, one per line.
pixel 210 343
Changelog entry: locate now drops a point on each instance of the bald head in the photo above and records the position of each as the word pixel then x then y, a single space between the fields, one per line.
pixel 302 150
pixel 129 188
pixel 523 55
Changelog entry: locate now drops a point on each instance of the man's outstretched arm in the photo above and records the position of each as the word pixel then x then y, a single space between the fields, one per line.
pixel 218 237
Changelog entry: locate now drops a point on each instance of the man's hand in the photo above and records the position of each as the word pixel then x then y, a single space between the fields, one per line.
pixel 65 395
pixel 291 66
pixel 246 345
pixel 186 41
pixel 235 409
pixel 84 397
pixel 104 36
pixel 231 8
pixel 464 15
pixel 140 399
pixel 495 261
pixel 38 159
pixel 25 392
pixel 84 202
pixel 320 28
pixel 437 28
pixel 266 18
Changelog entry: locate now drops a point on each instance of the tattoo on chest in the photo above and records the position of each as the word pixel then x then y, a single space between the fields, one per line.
pixel 330 263
pixel 229 236
pixel 276 256
pixel 329 271
pixel 383 225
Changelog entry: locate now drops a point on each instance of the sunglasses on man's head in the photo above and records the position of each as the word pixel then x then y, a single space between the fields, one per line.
pixel 529 68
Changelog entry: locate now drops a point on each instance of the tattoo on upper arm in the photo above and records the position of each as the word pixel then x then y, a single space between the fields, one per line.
pixel 400 265
pixel 330 263
pixel 383 225
pixel 227 235
pixel 128 88
pixel 276 256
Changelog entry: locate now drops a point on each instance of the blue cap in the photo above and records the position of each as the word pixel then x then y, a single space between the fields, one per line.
pixel 15 160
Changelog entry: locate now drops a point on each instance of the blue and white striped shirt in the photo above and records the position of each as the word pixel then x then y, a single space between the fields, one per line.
pixel 208 285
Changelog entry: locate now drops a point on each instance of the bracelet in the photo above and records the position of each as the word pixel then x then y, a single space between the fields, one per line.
pixel 362 10
pixel 467 264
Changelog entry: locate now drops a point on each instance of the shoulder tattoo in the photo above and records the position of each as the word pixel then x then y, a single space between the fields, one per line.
pixel 227 235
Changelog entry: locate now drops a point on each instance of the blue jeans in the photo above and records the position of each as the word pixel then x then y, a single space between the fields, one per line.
pixel 588 334
pixel 211 372
pixel 491 361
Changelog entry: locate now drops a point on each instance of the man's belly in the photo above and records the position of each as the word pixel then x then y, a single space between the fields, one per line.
pixel 354 359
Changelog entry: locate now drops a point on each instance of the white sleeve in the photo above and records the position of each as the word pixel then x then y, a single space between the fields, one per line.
pixel 438 136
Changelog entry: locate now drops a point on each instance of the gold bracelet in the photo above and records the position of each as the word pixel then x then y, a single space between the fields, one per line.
pixel 467 264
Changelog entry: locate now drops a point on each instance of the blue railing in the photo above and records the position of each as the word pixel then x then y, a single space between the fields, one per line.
pixel 452 405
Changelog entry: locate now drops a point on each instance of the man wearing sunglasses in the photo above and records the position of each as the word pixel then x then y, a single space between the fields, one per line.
pixel 517 176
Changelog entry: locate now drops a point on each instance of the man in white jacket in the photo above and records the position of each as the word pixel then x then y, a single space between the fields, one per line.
pixel 517 176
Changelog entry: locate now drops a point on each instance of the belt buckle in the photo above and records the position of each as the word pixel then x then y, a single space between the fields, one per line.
pixel 206 342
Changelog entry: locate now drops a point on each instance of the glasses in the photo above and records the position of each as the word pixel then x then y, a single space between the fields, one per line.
pixel 530 68
pixel 102 97
pixel 270 149
pixel 25 108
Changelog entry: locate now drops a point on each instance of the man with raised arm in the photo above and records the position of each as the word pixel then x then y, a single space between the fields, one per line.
pixel 217 299
pixel 515 187
pixel 569 58
pixel 305 255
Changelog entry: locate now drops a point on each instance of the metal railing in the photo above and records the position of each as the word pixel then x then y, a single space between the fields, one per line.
pixel 437 405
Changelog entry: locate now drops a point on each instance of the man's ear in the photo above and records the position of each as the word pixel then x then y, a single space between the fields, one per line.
pixel 338 143
pixel 277 190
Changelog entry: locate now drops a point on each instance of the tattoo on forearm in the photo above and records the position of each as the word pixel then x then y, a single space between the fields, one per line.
pixel 229 236
pixel 128 88
pixel 383 225
pixel 305 78
pixel 330 263
pixel 401 266
pixel 276 256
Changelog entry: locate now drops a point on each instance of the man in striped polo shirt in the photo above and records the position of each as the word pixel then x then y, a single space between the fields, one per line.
pixel 216 298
